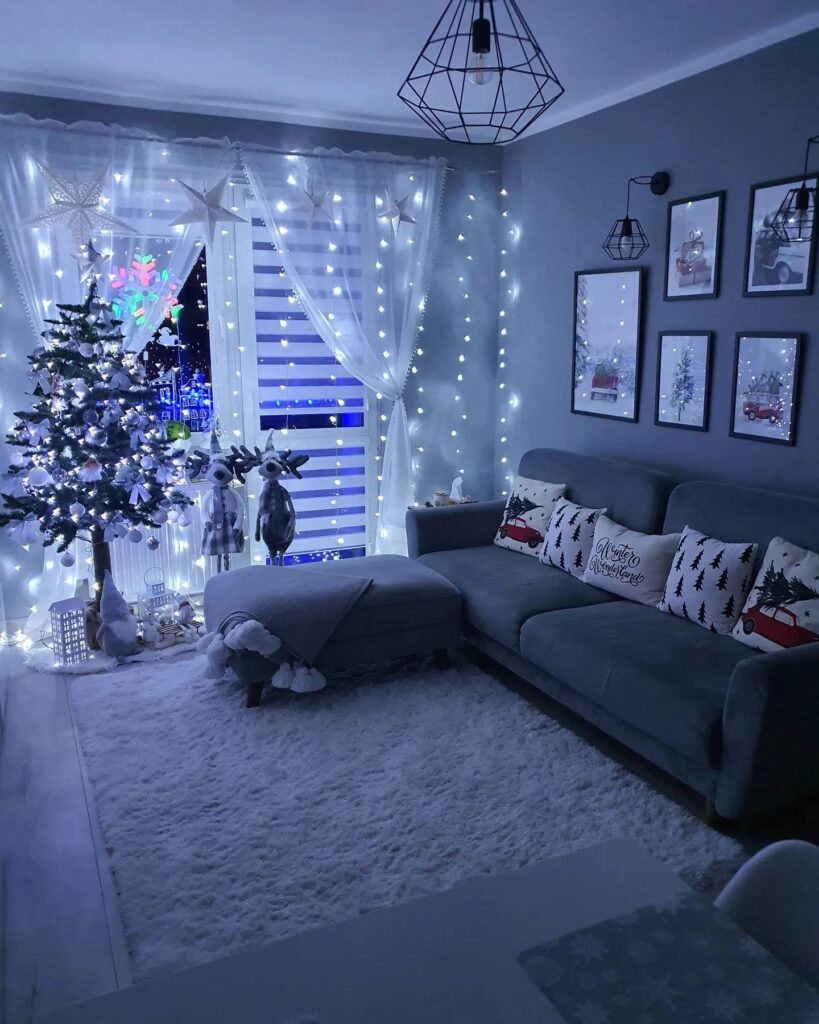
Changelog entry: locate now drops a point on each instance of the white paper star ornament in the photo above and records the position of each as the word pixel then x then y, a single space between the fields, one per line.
pixel 90 261
pixel 77 206
pixel 313 204
pixel 394 212
pixel 206 208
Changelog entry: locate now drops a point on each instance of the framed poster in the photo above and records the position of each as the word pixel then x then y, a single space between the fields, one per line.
pixel 693 244
pixel 683 379
pixel 774 267
pixel 607 324
pixel 766 380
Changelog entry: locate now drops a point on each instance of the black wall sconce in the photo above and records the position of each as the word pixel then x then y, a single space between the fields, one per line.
pixel 795 220
pixel 626 239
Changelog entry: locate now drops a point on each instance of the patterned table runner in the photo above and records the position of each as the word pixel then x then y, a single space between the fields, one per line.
pixel 681 962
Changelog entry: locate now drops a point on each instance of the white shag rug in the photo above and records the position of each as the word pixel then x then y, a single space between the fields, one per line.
pixel 228 827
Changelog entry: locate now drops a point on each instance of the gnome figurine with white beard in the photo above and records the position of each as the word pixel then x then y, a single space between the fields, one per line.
pixel 117 635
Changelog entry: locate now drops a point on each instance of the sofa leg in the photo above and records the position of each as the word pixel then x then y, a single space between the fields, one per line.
pixel 254 693
pixel 714 820
pixel 442 658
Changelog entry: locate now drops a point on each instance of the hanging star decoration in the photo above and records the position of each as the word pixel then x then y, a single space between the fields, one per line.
pixel 394 212
pixel 77 206
pixel 206 208
pixel 90 261
pixel 313 204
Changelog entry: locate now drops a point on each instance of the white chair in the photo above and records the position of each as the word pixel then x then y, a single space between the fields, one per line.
pixel 775 899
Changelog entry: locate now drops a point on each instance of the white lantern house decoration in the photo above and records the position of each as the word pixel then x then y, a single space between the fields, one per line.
pixel 68 629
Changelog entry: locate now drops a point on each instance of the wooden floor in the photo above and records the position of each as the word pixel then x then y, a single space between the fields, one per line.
pixel 61 939
pixel 60 936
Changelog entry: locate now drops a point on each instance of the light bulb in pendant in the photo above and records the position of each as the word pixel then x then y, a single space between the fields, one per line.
pixel 480 73
pixel 480 69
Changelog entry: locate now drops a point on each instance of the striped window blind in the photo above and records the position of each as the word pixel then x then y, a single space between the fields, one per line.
pixel 308 398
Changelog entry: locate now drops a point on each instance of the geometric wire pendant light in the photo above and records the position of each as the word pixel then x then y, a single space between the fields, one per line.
pixel 481 77
pixel 626 239
pixel 795 220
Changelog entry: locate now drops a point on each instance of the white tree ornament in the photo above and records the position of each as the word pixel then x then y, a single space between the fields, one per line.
pixel 77 206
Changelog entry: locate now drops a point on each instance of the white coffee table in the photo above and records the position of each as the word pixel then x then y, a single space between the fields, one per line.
pixel 449 958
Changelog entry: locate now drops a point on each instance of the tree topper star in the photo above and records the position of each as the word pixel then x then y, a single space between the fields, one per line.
pixel 206 208
pixel 90 261
pixel 77 206
pixel 395 213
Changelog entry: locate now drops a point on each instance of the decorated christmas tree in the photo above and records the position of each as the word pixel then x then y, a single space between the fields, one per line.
pixel 94 462
pixel 682 386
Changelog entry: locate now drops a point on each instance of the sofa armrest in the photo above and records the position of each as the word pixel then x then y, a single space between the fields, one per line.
pixel 770 728
pixel 453 526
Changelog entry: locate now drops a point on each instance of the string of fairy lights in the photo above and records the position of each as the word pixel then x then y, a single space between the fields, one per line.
pixel 509 293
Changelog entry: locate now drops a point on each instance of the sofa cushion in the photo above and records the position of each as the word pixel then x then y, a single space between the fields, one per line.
pixel 634 496
pixel 745 514
pixel 660 674
pixel 501 589
pixel 629 563
pixel 708 581
pixel 569 537
pixel 526 516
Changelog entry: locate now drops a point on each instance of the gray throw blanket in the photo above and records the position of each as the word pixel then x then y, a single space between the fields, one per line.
pixel 303 609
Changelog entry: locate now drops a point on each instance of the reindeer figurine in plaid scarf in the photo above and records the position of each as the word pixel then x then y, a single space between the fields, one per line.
pixel 223 513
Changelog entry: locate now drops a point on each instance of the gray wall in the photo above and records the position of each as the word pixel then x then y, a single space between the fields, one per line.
pixel 729 128
pixel 473 169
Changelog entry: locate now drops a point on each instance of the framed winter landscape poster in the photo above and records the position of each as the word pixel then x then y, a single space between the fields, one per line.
pixel 606 363
pixel 773 266
pixel 693 247
pixel 766 378
pixel 683 379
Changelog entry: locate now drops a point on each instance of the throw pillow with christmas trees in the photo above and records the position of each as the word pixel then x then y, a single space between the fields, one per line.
pixel 569 536
pixel 782 609
pixel 526 517
pixel 708 581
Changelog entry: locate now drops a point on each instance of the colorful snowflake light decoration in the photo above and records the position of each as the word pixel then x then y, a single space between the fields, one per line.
pixel 138 287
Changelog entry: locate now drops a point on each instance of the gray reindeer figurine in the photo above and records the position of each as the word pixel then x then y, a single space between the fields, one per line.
pixel 276 518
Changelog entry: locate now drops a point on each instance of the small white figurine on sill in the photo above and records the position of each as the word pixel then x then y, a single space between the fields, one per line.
pixel 117 634
pixel 150 630
pixel 223 512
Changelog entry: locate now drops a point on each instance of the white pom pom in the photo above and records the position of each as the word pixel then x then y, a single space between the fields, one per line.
pixel 67 559
pixel 252 636
pixel 307 680
pixel 283 677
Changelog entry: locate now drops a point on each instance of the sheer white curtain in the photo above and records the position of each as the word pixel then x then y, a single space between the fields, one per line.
pixel 385 211
pixel 144 258
pixel 47 166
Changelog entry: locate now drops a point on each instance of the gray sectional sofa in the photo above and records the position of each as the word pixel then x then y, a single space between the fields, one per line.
pixel 739 727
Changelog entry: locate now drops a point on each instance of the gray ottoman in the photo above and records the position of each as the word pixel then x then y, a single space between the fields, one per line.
pixel 408 609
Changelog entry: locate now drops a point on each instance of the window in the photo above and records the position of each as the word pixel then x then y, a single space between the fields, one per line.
pixel 177 359
pixel 309 399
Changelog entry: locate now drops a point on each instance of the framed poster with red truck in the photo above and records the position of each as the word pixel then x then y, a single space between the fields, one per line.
pixel 766 380
pixel 607 327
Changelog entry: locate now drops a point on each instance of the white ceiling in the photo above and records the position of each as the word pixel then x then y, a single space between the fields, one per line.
pixel 340 62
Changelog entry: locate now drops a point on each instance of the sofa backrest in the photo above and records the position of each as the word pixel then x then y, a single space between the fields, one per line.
pixel 738 514
pixel 634 496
